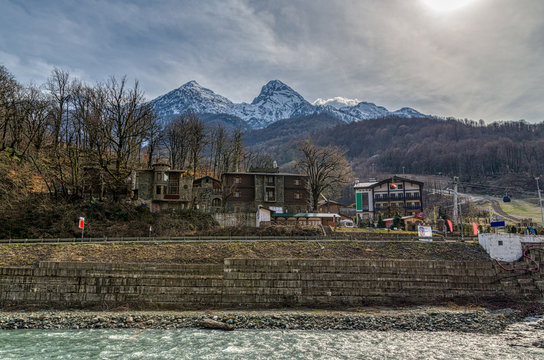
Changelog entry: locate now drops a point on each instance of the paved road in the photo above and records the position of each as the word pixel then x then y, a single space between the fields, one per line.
pixel 362 238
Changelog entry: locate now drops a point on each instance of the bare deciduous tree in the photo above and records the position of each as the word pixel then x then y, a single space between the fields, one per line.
pixel 154 140
pixel 9 96
pixel 34 121
pixel 196 140
pixel 126 123
pixel 175 141
pixel 326 168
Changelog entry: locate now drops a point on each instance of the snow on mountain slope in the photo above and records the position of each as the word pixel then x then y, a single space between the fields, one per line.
pixel 365 110
pixel 408 113
pixel 276 101
pixel 191 97
pixel 336 102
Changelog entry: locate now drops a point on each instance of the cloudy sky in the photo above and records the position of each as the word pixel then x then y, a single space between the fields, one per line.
pixel 481 60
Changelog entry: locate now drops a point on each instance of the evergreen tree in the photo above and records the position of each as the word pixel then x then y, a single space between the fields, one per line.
pixel 381 223
pixel 397 222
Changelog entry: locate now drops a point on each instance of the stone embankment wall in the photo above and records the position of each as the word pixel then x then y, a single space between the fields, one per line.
pixel 235 219
pixel 261 283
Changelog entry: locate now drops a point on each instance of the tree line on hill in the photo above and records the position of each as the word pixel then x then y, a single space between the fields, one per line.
pixel 68 130
pixel 65 126
pixel 465 148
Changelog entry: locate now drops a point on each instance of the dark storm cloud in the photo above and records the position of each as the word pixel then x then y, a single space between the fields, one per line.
pixel 481 61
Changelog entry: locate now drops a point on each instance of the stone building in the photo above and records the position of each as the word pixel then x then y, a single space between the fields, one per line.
pixel 208 194
pixel 280 192
pixel 162 188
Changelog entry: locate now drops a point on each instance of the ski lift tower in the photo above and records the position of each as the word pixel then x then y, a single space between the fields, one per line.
pixel 540 202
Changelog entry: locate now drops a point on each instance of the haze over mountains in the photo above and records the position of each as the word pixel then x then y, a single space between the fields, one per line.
pixel 276 101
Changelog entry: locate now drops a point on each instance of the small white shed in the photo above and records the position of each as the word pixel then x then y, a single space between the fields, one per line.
pixel 264 215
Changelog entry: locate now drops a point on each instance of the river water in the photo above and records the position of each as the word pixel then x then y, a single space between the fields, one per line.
pixel 259 344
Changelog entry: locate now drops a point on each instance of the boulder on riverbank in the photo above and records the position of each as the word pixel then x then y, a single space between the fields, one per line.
pixel 215 325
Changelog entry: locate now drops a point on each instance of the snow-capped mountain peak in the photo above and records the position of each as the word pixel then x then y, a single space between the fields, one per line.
pixel 191 96
pixel 276 101
pixel 191 83
pixel 336 102
pixel 277 91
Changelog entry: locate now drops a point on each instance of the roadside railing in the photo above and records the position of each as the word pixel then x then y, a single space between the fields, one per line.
pixel 181 239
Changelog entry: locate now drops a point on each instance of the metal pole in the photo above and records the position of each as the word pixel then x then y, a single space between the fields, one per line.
pixel 455 182
pixel 540 202
pixel 461 216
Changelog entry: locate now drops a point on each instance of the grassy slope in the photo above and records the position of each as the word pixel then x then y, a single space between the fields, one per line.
pixel 41 216
pixel 522 209
pixel 215 252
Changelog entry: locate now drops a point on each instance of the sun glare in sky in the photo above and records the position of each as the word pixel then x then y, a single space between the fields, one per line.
pixel 446 5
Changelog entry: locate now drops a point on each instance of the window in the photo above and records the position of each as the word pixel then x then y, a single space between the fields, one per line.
pixel 270 195
pixel 400 186
pixel 158 190
pixel 297 182
pixel 236 194
pixel 165 177
pixel 298 196
pixel 237 180
pixel 173 184
pixel 270 180
pixel 158 177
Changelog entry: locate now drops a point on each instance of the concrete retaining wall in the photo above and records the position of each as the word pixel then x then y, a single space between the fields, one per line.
pixel 507 247
pixel 235 219
pixel 260 283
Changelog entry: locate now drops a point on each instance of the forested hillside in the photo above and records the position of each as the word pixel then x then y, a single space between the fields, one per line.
pixel 279 139
pixel 452 147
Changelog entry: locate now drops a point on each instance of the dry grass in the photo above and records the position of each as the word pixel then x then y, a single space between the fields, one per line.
pixel 215 252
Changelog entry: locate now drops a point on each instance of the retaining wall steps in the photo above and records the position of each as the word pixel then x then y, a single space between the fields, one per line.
pixel 261 283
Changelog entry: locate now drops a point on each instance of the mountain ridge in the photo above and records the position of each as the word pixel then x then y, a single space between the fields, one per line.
pixel 276 101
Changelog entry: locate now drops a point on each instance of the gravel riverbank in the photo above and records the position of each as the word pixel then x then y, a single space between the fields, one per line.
pixel 419 319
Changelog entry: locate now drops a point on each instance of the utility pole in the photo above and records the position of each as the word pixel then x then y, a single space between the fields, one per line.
pixel 462 231
pixel 455 206
pixel 540 201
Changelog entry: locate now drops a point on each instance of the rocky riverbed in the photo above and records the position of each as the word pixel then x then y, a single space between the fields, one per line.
pixel 418 319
